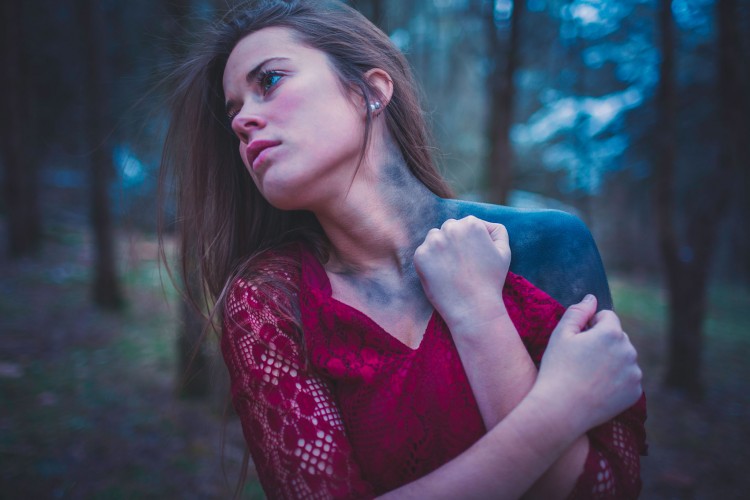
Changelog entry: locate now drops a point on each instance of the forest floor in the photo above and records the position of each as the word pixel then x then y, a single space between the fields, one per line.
pixel 89 407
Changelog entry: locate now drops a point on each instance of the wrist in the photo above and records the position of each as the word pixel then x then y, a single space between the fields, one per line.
pixel 562 410
pixel 473 319
pixel 492 338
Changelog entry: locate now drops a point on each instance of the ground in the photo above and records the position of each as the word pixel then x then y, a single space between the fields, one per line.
pixel 90 411
pixel 698 449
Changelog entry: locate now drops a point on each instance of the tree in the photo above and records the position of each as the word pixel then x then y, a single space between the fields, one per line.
pixel 21 183
pixel 375 10
pixel 502 91
pixel 193 360
pixel 106 286
pixel 735 127
pixel 687 257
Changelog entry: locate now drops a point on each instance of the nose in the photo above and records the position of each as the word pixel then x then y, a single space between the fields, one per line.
pixel 245 122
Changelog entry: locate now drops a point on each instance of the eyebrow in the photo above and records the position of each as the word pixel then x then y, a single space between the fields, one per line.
pixel 252 75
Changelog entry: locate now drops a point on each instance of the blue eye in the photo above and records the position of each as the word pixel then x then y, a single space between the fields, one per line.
pixel 268 79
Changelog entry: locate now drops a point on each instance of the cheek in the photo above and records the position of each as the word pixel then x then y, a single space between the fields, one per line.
pixel 316 111
pixel 336 126
pixel 290 105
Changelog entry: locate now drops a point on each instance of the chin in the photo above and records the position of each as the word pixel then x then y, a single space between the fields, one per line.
pixel 284 199
pixel 290 191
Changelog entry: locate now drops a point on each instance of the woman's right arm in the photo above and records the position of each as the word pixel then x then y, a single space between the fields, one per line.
pixel 576 389
pixel 507 461
pixel 291 423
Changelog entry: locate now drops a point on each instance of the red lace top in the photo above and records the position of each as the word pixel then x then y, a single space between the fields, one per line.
pixel 354 412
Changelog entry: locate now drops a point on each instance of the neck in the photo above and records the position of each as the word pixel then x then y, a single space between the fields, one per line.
pixel 382 219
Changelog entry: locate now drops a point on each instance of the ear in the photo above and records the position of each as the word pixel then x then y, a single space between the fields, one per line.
pixel 381 82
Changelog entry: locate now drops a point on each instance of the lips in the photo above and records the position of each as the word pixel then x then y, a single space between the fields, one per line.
pixel 254 150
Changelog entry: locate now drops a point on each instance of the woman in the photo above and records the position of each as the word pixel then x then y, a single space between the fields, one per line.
pixel 376 340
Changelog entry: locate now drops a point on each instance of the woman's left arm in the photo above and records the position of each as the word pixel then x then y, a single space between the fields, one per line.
pixel 463 266
pixel 501 373
pixel 604 462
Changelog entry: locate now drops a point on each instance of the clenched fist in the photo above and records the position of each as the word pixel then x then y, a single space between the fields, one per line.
pixel 462 267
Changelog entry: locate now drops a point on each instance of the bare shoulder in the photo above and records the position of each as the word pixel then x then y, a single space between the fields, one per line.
pixel 552 249
pixel 527 223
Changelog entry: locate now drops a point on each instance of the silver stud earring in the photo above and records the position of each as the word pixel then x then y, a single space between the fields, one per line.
pixel 374 106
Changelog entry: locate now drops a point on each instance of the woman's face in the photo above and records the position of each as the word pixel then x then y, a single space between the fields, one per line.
pixel 300 133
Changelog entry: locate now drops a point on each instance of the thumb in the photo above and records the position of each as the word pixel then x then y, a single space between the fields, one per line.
pixel 577 316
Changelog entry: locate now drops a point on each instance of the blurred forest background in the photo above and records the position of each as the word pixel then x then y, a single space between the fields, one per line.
pixel 633 114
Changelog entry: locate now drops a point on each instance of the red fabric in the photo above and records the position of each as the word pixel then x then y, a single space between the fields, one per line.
pixel 355 412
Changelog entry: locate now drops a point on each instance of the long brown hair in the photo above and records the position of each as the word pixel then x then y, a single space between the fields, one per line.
pixel 223 219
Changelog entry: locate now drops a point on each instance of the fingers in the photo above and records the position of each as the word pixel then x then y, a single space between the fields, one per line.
pixel 497 232
pixel 577 316
pixel 606 324
pixel 465 223
pixel 468 229
pixel 601 361
pixel 459 266
pixel 606 316
pixel 606 320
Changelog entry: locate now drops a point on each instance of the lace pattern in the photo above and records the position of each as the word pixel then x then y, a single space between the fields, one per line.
pixel 356 413
pixel 291 423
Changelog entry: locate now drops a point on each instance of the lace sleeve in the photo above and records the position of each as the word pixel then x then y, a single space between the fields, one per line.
pixel 289 418
pixel 612 467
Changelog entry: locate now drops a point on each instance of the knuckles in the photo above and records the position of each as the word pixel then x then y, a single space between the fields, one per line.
pixel 638 375
pixel 615 335
pixel 467 224
pixel 448 224
pixel 609 318
pixel 632 355
pixel 454 231
pixel 419 253
pixel 434 238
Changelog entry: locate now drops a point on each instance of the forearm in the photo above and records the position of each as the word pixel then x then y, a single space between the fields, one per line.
pixel 505 462
pixel 594 375
pixel 499 387
pixel 560 479
pixel 500 370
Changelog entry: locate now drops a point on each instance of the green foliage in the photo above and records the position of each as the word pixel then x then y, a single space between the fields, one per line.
pixel 644 301
pixel 727 322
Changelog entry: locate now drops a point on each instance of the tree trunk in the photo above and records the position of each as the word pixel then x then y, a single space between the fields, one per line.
pixel 501 96
pixel 378 14
pixel 374 10
pixel 21 181
pixel 193 377
pixel 687 260
pixel 106 286
pixel 735 125
pixel 684 354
